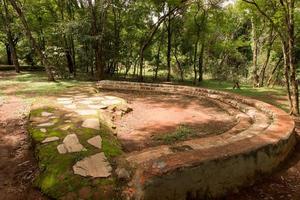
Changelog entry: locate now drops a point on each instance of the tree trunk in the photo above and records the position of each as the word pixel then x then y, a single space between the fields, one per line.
pixel 8 54
pixel 266 63
pixel 201 59
pixel 32 40
pixel 195 61
pixel 179 65
pixel 14 54
pixel 274 70
pixel 146 43
pixel 157 61
pixel 287 78
pixel 255 55
pixel 169 48
pixel 96 45
pixel 12 57
pixel 292 58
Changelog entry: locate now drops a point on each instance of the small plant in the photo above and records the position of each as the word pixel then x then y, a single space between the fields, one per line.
pixel 181 133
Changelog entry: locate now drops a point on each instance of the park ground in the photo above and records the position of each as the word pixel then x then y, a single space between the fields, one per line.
pixel 18 167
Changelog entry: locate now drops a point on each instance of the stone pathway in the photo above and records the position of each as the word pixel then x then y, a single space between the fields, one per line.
pixel 87 109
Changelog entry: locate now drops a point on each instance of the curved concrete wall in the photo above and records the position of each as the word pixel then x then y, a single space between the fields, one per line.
pixel 217 164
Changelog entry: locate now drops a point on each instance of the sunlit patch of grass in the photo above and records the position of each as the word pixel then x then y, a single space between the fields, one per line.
pixel 37 84
pixel 275 95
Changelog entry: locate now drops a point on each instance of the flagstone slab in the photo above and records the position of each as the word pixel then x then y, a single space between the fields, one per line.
pixel 46 114
pixel 96 141
pixel 43 130
pixel 86 112
pixel 96 98
pixel 92 123
pixel 70 144
pixel 70 106
pixel 111 97
pixel 66 127
pixel 61 149
pixel 64 99
pixel 86 102
pixel 99 106
pixel 95 166
pixel 110 102
pixel 66 102
pixel 50 139
pixel 47 124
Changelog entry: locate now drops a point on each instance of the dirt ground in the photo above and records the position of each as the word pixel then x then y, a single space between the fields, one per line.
pixel 17 163
pixel 156 115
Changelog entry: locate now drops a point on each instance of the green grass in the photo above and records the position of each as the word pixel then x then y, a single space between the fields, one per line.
pixel 275 96
pixel 181 133
pixel 56 177
pixel 35 83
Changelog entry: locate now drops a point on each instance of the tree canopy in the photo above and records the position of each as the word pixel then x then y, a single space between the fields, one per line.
pixel 253 41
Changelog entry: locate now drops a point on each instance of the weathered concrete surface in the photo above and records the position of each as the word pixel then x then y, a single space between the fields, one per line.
pixel 211 166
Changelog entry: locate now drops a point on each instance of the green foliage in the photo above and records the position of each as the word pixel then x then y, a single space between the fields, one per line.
pixel 70 34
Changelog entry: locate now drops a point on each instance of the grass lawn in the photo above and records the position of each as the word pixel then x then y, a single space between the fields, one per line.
pixel 275 96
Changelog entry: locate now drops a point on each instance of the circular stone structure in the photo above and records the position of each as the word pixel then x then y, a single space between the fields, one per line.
pixel 209 167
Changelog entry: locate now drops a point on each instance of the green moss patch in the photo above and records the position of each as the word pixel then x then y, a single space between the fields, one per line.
pixel 56 178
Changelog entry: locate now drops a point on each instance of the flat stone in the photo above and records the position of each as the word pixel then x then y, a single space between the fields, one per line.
pixel 96 98
pixel 80 96
pixel 61 149
pixel 92 123
pixel 94 166
pixel 71 106
pixel 66 127
pixel 110 102
pixel 111 97
pixel 43 130
pixel 48 124
pixel 100 106
pixel 64 99
pixel 70 144
pixel 65 102
pixel 86 112
pixel 86 102
pixel 46 114
pixel 96 142
pixel 50 139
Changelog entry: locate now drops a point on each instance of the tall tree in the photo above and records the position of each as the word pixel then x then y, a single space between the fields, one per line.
pixel 284 25
pixel 12 53
pixel 21 15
